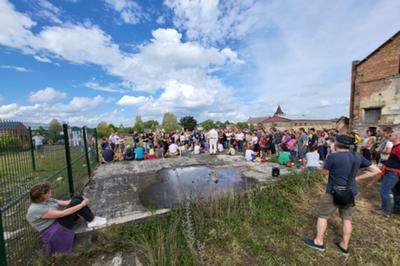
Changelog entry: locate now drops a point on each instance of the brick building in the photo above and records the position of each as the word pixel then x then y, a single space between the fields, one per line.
pixel 375 88
pixel 279 121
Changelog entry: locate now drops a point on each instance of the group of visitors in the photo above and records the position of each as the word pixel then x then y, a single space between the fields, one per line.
pixel 341 163
pixel 342 168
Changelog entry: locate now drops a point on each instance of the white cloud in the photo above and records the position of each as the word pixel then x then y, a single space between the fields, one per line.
pixel 119 87
pixel 16 68
pixel 160 20
pixel 82 104
pixel 213 21
pixel 42 59
pixel 75 111
pixel 46 95
pixel 49 11
pixel 132 100
pixel 129 10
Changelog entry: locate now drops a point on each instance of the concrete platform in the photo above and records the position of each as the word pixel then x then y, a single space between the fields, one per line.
pixel 115 187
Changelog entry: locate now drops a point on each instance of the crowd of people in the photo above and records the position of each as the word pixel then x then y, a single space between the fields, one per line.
pixel 256 145
pixel 339 156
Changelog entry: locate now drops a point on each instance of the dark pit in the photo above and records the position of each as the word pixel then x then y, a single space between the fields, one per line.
pixel 179 185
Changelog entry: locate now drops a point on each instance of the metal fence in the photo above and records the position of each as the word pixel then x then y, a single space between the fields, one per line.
pixel 65 161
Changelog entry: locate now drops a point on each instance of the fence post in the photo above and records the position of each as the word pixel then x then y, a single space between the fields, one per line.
pixel 84 129
pixel 32 149
pixel 3 255
pixel 96 144
pixel 68 158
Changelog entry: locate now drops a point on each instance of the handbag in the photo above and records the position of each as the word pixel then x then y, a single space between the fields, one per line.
pixel 343 195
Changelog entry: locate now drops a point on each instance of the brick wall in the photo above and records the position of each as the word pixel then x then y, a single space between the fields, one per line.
pixel 377 84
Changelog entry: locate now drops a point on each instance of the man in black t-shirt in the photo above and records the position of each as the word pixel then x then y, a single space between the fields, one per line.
pixel 338 167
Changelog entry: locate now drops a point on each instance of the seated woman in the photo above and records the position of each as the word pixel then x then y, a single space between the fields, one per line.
pixel 54 223
pixel 129 153
pixel 311 161
pixel 284 157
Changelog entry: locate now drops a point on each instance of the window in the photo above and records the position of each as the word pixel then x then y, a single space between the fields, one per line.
pixel 372 115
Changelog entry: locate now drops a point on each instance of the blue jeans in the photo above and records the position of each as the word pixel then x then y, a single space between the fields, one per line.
pixel 389 182
pixel 240 145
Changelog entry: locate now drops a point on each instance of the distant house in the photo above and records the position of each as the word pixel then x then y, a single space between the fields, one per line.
pixel 375 88
pixel 280 122
pixel 16 129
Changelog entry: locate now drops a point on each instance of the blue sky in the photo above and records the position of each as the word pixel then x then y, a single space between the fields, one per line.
pixel 108 60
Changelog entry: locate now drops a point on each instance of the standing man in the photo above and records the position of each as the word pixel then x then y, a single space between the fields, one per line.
pixel 239 139
pixel 338 166
pixel 391 179
pixel 38 139
pixel 213 135
pixel 302 143
pixel 385 146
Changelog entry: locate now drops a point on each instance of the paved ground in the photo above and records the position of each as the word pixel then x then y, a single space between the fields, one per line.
pixel 115 187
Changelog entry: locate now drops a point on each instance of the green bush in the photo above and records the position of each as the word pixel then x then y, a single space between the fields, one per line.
pixel 10 143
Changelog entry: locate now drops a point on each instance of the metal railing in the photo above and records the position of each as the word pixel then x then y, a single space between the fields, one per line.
pixel 66 163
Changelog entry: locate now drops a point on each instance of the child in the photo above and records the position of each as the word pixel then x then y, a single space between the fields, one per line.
pixel 249 154
pixel 139 152
pixel 220 147
pixel 231 150
pixel 311 161
pixel 151 154
pixel 196 149
pixel 129 154
pixel 284 155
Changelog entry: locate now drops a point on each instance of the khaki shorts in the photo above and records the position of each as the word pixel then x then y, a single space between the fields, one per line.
pixel 327 207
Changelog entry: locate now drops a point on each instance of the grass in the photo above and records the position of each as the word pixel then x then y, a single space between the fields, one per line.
pixel 264 226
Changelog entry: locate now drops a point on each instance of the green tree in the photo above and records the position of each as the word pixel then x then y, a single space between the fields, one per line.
pixel 121 130
pixel 54 129
pixel 103 129
pixel 207 124
pixel 242 125
pixel 220 124
pixel 170 122
pixel 150 124
pixel 112 128
pixel 188 122
pixel 138 127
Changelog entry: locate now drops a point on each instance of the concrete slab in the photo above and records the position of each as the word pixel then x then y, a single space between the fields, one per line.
pixel 115 187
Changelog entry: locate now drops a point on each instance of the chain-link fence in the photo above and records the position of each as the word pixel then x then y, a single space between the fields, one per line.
pixel 64 159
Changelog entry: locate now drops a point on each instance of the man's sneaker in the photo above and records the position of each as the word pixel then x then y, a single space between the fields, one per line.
pixel 311 244
pixel 97 221
pixel 344 252
pixel 382 213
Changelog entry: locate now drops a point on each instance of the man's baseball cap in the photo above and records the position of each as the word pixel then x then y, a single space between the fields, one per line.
pixel 345 140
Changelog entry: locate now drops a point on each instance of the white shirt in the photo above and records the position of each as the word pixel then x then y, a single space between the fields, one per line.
pixel 248 155
pixel 220 147
pixel 173 148
pixel 240 136
pixel 254 140
pixel 312 159
pixel 38 140
pixel 388 145
pixel 213 134
pixel 196 149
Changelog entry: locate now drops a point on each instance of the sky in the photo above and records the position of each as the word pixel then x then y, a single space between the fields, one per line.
pixel 83 62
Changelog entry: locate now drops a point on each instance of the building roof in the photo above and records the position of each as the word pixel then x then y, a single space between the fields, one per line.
pixel 276 119
pixel 10 125
pixel 397 34
pixel 279 111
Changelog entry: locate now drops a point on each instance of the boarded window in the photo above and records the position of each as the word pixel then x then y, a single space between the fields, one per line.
pixel 372 115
